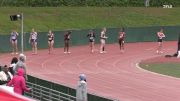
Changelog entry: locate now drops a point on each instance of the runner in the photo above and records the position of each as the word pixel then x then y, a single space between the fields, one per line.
pixel 13 40
pixel 33 41
pixel 91 36
pixel 121 39
pixel 67 37
pixel 50 41
pixel 103 40
pixel 160 36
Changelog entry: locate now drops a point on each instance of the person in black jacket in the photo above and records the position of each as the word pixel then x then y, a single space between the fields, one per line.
pixel 178 49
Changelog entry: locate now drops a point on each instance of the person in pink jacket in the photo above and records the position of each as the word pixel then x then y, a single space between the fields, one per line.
pixel 19 83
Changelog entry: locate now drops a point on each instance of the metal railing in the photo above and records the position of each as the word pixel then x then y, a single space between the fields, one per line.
pixel 45 94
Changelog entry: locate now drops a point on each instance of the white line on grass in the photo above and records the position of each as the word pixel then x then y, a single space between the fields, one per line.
pixel 144 70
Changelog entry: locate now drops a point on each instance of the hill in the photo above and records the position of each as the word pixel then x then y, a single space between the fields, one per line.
pixel 61 18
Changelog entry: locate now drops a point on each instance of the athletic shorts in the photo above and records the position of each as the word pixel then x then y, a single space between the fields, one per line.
pixel 50 41
pixel 14 40
pixel 160 40
pixel 121 41
pixel 33 41
pixel 91 40
pixel 103 41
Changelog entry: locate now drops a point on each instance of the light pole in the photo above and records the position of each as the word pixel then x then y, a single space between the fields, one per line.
pixel 22 32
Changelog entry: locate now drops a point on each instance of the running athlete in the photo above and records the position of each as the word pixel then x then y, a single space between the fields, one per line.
pixel 160 36
pixel 103 40
pixel 121 39
pixel 67 37
pixel 13 40
pixel 50 41
pixel 91 36
pixel 33 41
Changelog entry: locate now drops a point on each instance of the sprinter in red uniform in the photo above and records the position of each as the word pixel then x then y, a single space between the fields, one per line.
pixel 121 39
pixel 67 37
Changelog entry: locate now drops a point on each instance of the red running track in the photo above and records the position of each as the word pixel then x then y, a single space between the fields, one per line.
pixel 112 74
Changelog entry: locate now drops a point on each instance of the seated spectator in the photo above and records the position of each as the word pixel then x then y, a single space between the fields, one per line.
pixel 21 64
pixel 19 82
pixel 13 64
pixel 5 75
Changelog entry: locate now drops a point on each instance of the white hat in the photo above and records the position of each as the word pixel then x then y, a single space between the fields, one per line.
pixel 22 57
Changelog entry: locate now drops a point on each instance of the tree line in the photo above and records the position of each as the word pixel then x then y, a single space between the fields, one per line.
pixel 97 3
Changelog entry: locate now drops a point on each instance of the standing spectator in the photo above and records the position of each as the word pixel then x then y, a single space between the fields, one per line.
pixel 33 41
pixel 5 75
pixel 91 36
pixel 13 40
pixel 121 39
pixel 67 37
pixel 81 91
pixel 103 40
pixel 13 64
pixel 21 64
pixel 50 41
pixel 146 3
pixel 160 36
pixel 19 82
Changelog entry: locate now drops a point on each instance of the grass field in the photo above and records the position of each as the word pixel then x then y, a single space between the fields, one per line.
pixel 61 18
pixel 171 69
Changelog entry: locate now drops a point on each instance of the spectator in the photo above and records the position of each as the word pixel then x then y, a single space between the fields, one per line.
pixel 81 92
pixel 5 75
pixel 19 82
pixel 21 64
pixel 13 64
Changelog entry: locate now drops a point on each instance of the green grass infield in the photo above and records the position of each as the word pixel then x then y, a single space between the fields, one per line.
pixel 170 69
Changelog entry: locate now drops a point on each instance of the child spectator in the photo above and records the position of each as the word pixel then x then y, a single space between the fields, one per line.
pixel 19 82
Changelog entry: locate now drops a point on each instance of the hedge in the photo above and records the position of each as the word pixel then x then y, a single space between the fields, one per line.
pixel 99 3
